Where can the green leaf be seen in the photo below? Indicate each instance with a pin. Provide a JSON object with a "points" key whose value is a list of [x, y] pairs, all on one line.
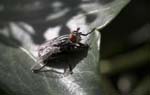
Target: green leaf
{"points": [[18, 78], [19, 40]]}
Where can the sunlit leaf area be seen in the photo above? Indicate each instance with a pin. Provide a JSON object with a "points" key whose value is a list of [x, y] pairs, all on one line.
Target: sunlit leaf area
{"points": [[112, 60]]}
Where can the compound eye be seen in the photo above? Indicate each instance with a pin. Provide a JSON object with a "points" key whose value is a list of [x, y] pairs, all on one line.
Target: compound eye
{"points": [[72, 38]]}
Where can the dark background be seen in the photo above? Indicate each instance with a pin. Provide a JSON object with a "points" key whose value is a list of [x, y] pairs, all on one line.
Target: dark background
{"points": [[126, 46]]}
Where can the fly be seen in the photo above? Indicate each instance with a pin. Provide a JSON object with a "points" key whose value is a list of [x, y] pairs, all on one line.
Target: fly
{"points": [[53, 50]]}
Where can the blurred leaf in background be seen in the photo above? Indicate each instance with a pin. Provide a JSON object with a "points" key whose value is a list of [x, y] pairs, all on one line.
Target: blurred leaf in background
{"points": [[125, 50]]}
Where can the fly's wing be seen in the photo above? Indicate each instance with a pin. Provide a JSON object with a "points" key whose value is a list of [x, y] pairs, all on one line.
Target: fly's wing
{"points": [[58, 41], [51, 47]]}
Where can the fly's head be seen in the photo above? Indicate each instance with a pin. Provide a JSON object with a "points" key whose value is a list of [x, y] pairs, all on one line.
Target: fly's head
{"points": [[75, 36]]}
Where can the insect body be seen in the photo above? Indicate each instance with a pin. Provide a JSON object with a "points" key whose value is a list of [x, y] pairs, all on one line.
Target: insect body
{"points": [[59, 48]]}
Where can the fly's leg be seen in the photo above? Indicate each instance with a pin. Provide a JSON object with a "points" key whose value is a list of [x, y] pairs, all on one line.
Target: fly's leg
{"points": [[37, 70], [89, 32], [82, 45], [68, 70]]}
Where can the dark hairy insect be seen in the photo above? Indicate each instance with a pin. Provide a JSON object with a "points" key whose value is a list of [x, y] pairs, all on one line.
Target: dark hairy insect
{"points": [[59, 49]]}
